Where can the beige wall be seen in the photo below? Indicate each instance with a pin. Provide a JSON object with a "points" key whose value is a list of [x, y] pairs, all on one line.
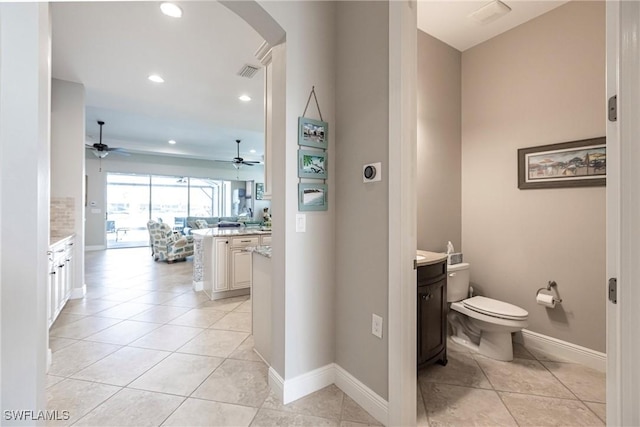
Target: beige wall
{"points": [[540, 83], [439, 139], [361, 250]]}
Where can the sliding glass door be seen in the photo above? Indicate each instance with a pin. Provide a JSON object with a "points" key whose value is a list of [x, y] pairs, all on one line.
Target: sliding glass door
{"points": [[128, 200]]}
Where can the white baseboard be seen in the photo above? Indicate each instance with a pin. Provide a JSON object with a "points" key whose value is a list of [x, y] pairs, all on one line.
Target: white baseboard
{"points": [[198, 286], [95, 248], [305, 384], [78, 293], [563, 351], [363, 395]]}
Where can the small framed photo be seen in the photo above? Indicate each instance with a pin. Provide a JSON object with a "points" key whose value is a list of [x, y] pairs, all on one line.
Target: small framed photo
{"points": [[259, 190], [312, 164], [313, 133], [312, 197], [568, 164]]}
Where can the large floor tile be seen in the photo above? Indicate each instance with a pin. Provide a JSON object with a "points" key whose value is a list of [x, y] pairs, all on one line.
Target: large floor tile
{"points": [[83, 327], [167, 337], [325, 403], [450, 405], [245, 351], [58, 343], [234, 321], [270, 418], [547, 411], [462, 369], [213, 342], [156, 297], [78, 356], [421, 415], [351, 411], [191, 299], [236, 381], [124, 332], [132, 408], [177, 374], [197, 412], [88, 306], [121, 367], [600, 409], [160, 314], [520, 352], [125, 295], [66, 318], [245, 307], [125, 310], [586, 383], [523, 376], [53, 380], [77, 397], [226, 304], [199, 318]]}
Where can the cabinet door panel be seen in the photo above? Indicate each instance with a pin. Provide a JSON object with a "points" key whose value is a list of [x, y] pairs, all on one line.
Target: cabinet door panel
{"points": [[240, 269], [220, 261], [432, 328]]}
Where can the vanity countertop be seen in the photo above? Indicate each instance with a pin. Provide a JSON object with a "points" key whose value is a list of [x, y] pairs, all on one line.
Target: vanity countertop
{"points": [[54, 239], [428, 258]]}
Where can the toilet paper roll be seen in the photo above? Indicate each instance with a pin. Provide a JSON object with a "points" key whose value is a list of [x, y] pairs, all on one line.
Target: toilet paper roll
{"points": [[546, 300]]}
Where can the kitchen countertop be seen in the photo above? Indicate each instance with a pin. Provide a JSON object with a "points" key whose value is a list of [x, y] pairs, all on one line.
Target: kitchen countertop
{"points": [[219, 232], [265, 251], [429, 257]]}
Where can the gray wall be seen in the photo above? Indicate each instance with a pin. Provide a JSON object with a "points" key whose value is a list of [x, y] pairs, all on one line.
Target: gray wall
{"points": [[540, 83], [67, 159], [439, 145], [361, 251], [148, 164]]}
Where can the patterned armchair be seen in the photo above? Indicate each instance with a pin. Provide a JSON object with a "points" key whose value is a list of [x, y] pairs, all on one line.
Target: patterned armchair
{"points": [[167, 245]]}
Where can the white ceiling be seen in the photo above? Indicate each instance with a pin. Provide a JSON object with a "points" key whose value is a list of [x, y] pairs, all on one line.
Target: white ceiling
{"points": [[448, 21], [111, 48]]}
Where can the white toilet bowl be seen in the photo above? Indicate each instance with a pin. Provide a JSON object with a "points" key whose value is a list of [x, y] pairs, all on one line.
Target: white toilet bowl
{"points": [[495, 320], [481, 324]]}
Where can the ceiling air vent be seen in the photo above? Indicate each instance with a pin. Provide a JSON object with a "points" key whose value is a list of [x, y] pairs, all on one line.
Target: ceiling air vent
{"points": [[248, 71], [490, 12]]}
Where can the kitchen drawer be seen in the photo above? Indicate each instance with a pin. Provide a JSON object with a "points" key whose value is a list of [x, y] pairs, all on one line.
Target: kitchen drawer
{"points": [[266, 240], [245, 241]]}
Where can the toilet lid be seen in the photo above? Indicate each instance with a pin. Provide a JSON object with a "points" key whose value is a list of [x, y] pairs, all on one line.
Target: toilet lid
{"points": [[492, 307]]}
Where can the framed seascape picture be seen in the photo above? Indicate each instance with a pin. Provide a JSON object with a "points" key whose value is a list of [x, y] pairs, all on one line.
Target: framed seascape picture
{"points": [[569, 164], [312, 197], [313, 133], [312, 164]]}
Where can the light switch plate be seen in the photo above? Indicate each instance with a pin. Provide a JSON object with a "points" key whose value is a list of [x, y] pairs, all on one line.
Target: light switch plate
{"points": [[301, 223]]}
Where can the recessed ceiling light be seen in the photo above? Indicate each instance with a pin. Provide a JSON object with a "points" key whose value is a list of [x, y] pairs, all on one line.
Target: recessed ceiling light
{"points": [[156, 78], [171, 9], [244, 98], [252, 151], [172, 141]]}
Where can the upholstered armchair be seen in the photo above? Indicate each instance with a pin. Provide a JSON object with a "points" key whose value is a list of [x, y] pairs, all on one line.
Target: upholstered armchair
{"points": [[167, 245]]}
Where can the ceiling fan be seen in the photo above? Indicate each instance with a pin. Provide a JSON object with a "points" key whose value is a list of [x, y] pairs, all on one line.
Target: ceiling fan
{"points": [[239, 161], [102, 150]]}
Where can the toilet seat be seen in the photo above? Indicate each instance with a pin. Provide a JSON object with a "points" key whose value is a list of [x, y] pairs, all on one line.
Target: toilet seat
{"points": [[495, 308]]}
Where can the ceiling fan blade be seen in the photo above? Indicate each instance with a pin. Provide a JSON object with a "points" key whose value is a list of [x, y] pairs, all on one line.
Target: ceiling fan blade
{"points": [[250, 162], [120, 152]]}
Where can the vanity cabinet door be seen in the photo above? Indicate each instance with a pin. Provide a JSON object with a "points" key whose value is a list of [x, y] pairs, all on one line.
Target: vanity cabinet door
{"points": [[432, 321]]}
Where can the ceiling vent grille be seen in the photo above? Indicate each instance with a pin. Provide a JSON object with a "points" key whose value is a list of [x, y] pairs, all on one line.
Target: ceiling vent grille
{"points": [[248, 71], [490, 12]]}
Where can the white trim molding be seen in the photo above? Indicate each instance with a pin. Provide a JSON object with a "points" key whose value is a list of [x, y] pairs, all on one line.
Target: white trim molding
{"points": [[305, 384], [363, 395], [77, 293], [563, 351], [95, 248]]}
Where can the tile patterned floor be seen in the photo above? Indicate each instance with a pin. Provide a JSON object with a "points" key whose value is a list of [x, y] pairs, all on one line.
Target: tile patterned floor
{"points": [[144, 349], [530, 391]]}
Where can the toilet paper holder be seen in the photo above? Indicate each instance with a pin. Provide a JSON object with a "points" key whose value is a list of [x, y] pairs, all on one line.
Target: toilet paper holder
{"points": [[551, 287]]}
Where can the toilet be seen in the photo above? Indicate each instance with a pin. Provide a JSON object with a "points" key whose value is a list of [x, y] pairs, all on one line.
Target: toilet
{"points": [[483, 325]]}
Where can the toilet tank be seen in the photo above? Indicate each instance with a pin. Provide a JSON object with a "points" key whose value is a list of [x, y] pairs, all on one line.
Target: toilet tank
{"points": [[457, 282]]}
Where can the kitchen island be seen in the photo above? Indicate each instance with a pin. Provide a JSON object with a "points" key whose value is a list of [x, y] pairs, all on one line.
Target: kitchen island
{"points": [[221, 266]]}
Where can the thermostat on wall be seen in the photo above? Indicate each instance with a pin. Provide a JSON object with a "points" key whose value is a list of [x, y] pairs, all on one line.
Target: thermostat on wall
{"points": [[372, 172]]}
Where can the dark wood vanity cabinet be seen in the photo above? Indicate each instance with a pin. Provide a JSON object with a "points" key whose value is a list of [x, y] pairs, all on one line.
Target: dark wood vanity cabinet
{"points": [[432, 314]]}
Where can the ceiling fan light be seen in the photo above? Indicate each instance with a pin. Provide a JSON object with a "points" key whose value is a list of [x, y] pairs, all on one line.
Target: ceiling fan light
{"points": [[156, 78], [244, 98], [100, 154], [171, 9], [172, 141]]}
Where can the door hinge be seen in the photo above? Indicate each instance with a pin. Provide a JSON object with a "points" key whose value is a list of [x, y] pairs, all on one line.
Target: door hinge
{"points": [[415, 264], [613, 290], [613, 108]]}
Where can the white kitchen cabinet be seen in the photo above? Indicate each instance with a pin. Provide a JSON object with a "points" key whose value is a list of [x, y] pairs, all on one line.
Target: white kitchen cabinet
{"points": [[60, 277], [220, 262], [240, 269]]}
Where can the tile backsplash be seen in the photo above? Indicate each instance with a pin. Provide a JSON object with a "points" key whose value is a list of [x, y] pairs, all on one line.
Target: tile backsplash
{"points": [[63, 219]]}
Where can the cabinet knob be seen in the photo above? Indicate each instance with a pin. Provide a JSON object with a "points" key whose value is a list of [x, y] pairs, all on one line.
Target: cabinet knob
{"points": [[426, 297]]}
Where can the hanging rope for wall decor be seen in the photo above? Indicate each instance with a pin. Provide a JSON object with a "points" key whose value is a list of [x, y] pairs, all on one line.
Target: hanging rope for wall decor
{"points": [[313, 93]]}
